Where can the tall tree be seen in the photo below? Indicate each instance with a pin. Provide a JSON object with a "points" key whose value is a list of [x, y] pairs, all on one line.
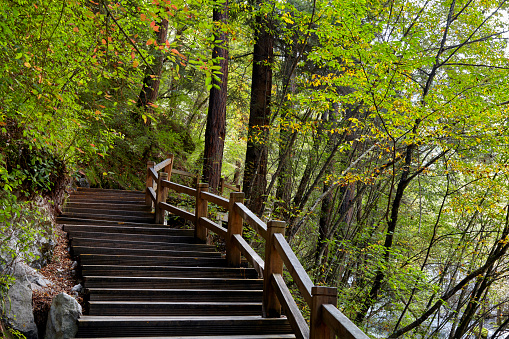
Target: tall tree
{"points": [[255, 171], [216, 118]]}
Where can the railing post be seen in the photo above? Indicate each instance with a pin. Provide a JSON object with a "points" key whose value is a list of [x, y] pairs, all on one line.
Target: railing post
{"points": [[201, 210], [321, 295], [234, 227], [221, 186], [149, 181], [162, 194], [169, 167], [273, 265]]}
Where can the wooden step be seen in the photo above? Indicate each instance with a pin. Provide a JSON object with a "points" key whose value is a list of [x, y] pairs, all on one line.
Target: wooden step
{"points": [[167, 282], [129, 218], [133, 260], [77, 221], [113, 326], [133, 236], [102, 206], [174, 294], [164, 308], [105, 198], [111, 200], [169, 271], [80, 250], [110, 212], [77, 241], [107, 190], [102, 193], [123, 229], [245, 336]]}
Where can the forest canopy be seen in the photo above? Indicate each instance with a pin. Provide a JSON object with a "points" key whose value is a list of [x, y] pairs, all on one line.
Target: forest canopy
{"points": [[376, 129]]}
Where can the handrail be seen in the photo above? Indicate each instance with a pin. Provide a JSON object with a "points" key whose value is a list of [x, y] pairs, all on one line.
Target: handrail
{"points": [[325, 317], [152, 194], [221, 231], [175, 210], [184, 173], [220, 201], [340, 324], [293, 314], [223, 184], [255, 222], [163, 164], [179, 188], [153, 173], [294, 266], [250, 254]]}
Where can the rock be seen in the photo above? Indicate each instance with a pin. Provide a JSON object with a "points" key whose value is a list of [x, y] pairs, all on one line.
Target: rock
{"points": [[83, 182], [18, 312], [63, 317], [23, 272], [77, 288]]}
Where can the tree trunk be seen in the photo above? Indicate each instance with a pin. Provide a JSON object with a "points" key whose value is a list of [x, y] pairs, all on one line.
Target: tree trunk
{"points": [[255, 171], [216, 119]]}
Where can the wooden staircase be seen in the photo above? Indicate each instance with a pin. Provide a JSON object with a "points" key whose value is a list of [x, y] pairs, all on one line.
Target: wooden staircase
{"points": [[149, 280]]}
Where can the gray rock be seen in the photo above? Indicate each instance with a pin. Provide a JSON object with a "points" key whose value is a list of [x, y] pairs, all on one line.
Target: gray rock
{"points": [[18, 309], [83, 182], [63, 317], [77, 288]]}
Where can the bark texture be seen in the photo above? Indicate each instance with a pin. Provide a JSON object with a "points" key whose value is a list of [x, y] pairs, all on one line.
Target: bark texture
{"points": [[255, 171], [216, 119]]}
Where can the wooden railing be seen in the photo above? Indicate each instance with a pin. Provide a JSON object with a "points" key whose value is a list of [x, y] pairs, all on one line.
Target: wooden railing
{"points": [[326, 320]]}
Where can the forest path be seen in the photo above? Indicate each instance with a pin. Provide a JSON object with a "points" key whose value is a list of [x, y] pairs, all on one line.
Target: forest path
{"points": [[151, 280]]}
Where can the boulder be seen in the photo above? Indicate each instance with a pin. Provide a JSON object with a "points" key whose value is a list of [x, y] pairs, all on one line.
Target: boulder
{"points": [[18, 309], [63, 317]]}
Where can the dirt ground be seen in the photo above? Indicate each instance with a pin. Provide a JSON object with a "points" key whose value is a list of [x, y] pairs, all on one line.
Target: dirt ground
{"points": [[63, 277]]}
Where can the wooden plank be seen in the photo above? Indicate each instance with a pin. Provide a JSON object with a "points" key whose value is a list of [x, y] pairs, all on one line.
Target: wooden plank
{"points": [[255, 222], [107, 190], [162, 164], [231, 187], [215, 199], [294, 266], [201, 210], [166, 308], [174, 294], [165, 282], [98, 218], [184, 173], [273, 265], [253, 257], [153, 173], [340, 324], [235, 226], [177, 211], [153, 326], [169, 271], [152, 193], [99, 249], [321, 295], [299, 324], [245, 336], [80, 241], [136, 260], [205, 222], [179, 188], [120, 229]]}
